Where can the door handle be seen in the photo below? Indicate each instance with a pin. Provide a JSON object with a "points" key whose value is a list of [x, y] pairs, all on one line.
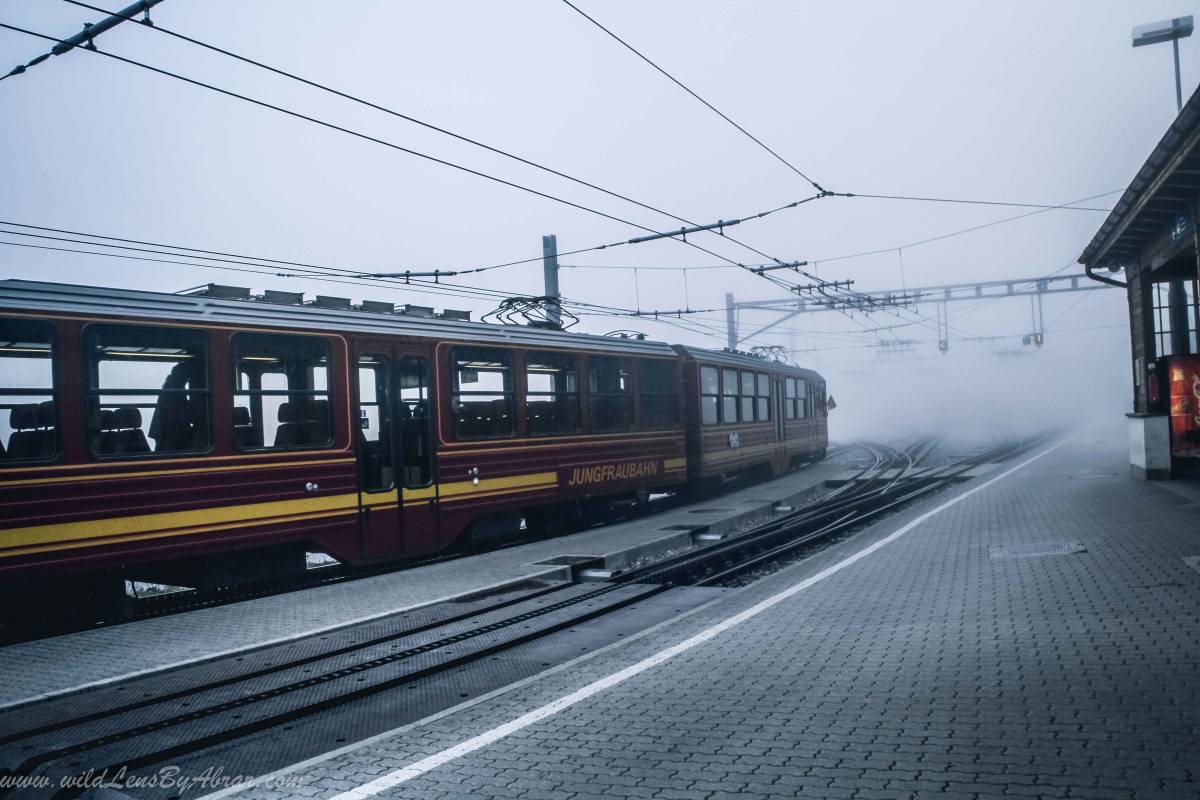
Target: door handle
{"points": [[311, 487], [474, 473]]}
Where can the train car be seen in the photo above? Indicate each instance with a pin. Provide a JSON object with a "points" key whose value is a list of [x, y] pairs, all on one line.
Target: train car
{"points": [[212, 438], [750, 415], [154, 428]]}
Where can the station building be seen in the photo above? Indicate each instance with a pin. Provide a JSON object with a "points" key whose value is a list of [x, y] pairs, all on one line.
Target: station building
{"points": [[1151, 236]]}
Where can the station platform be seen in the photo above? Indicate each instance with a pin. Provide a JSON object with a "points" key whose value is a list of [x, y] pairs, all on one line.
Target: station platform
{"points": [[1031, 633], [35, 670]]}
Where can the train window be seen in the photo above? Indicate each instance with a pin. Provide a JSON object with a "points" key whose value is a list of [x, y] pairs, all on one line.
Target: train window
{"points": [[789, 400], [729, 398], [747, 397], [147, 390], [374, 424], [610, 383], [281, 392], [28, 430], [764, 396], [551, 393], [801, 398], [416, 436], [710, 396], [658, 389], [482, 401]]}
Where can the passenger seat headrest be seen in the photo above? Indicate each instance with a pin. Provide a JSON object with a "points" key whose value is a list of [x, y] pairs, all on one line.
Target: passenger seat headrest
{"points": [[316, 410], [241, 416], [45, 414], [23, 416], [127, 417], [289, 412]]}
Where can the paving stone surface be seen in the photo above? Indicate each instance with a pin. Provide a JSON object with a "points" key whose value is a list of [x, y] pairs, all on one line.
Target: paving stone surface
{"points": [[928, 669], [32, 669]]}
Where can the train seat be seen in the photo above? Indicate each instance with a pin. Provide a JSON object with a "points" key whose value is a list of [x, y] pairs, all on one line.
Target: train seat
{"points": [[102, 431], [290, 432], [33, 435], [245, 435], [128, 438], [316, 422]]}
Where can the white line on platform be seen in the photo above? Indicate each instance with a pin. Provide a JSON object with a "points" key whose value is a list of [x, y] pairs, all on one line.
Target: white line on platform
{"points": [[429, 763]]}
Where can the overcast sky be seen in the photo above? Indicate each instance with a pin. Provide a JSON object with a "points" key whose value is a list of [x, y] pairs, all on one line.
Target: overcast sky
{"points": [[1019, 101]]}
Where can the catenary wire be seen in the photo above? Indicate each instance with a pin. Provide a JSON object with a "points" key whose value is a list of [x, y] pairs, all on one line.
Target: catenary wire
{"points": [[709, 105], [382, 142], [962, 231], [392, 112], [442, 161], [435, 159]]}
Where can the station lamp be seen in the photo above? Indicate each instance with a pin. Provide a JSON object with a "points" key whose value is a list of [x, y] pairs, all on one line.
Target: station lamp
{"points": [[1170, 30]]}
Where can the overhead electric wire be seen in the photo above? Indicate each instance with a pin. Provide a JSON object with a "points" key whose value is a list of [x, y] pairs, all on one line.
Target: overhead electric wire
{"points": [[414, 287], [821, 190], [430, 126], [478, 173], [377, 140], [444, 162], [962, 231], [1043, 206], [660, 268], [392, 112], [707, 104]]}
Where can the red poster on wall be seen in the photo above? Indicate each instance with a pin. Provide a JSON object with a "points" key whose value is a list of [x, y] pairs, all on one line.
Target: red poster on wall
{"points": [[1184, 373]]}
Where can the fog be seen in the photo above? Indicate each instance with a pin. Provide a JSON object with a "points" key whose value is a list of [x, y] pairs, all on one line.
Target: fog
{"points": [[1026, 102]]}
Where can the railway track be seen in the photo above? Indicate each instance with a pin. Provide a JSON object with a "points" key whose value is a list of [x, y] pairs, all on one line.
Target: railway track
{"points": [[265, 709], [30, 627]]}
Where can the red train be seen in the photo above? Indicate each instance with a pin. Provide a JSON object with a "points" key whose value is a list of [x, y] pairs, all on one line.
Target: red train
{"points": [[154, 435]]}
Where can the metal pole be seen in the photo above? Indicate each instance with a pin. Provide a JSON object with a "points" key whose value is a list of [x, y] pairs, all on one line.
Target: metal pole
{"points": [[1178, 84], [730, 322], [550, 273]]}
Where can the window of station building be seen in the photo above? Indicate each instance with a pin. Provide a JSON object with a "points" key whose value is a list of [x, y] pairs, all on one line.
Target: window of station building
{"points": [[482, 398], [789, 398], [281, 392], [747, 397], [729, 396], [551, 393], [147, 390], [764, 396], [658, 391], [1176, 316], [610, 385], [710, 396], [28, 424]]}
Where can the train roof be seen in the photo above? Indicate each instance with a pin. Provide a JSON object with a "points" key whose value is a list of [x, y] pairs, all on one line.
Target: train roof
{"points": [[202, 309], [22, 295], [744, 360]]}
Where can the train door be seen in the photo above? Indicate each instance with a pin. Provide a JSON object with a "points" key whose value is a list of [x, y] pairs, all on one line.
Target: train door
{"points": [[397, 501], [780, 416], [415, 454]]}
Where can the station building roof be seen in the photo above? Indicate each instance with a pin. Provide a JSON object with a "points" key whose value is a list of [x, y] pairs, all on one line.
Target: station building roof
{"points": [[1158, 198]]}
